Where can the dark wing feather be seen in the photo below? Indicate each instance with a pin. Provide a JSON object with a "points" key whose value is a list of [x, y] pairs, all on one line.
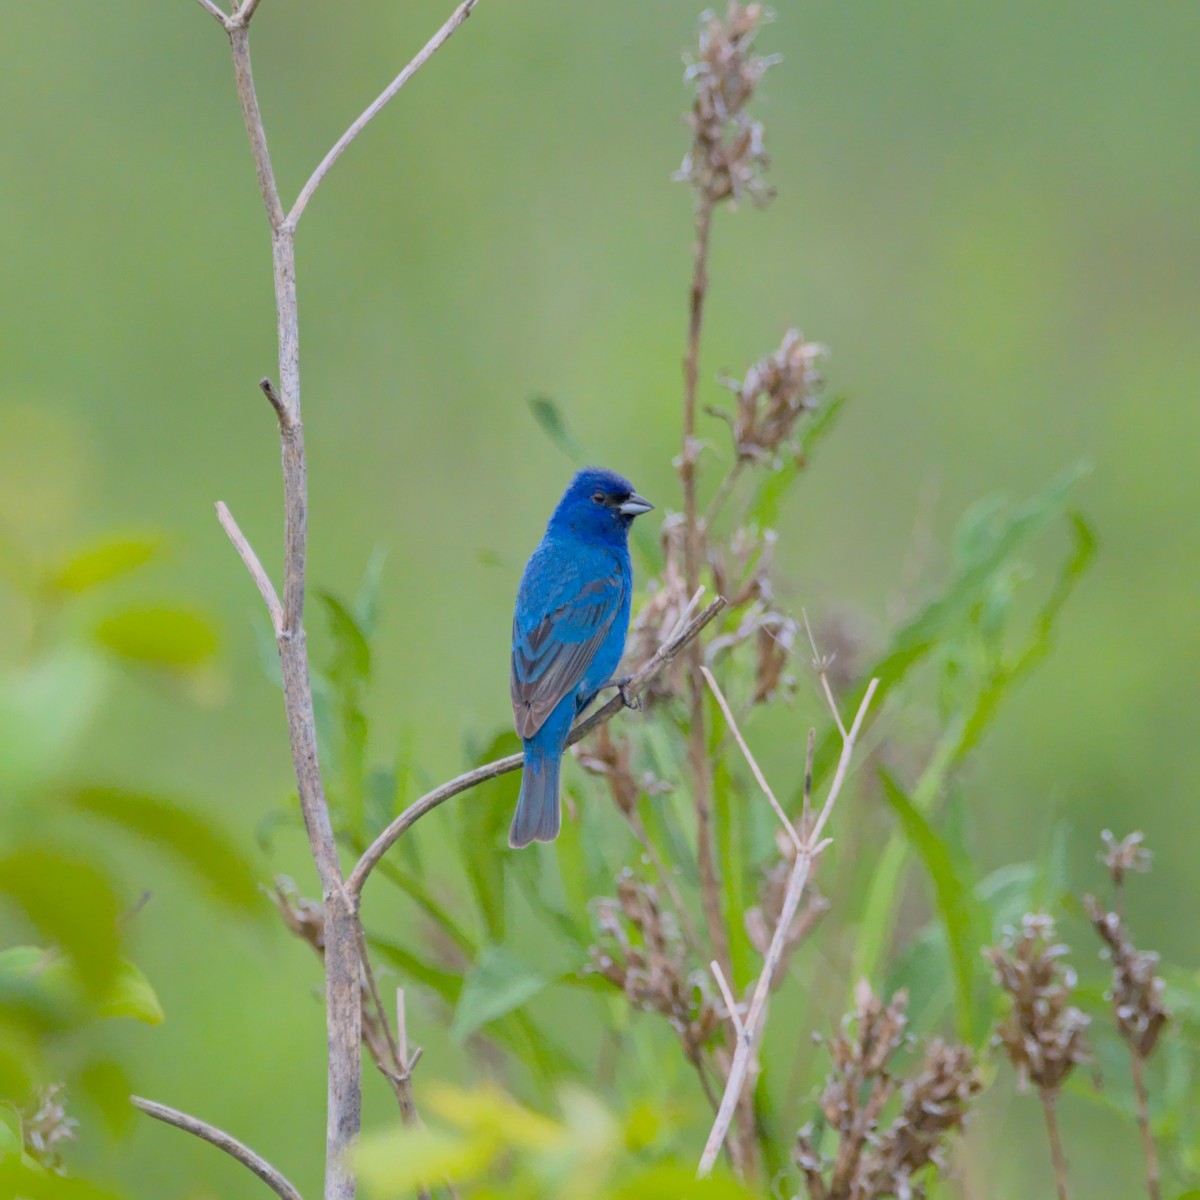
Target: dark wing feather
{"points": [[549, 661]]}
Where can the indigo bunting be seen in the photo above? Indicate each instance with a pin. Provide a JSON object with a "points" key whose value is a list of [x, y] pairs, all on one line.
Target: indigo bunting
{"points": [[569, 632]]}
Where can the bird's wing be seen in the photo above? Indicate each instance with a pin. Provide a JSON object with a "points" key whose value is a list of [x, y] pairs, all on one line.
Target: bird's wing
{"points": [[551, 656]]}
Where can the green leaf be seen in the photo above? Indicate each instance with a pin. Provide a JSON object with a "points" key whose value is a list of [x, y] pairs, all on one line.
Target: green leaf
{"points": [[496, 985], [108, 1086], [366, 603], [167, 638], [99, 562], [986, 550], [662, 1180], [23, 1178], [74, 906], [482, 827], [447, 984], [352, 652], [199, 845], [955, 902], [548, 415], [399, 1161], [131, 995], [44, 710]]}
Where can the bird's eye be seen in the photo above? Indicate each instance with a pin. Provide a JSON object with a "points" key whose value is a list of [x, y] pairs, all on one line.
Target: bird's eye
{"points": [[597, 497]]}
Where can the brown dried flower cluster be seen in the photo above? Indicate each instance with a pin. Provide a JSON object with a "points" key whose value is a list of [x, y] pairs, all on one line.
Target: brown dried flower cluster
{"points": [[776, 391], [48, 1127], [640, 950], [871, 1162], [660, 617], [610, 756], [1043, 1034], [1137, 987], [1121, 857], [726, 158]]}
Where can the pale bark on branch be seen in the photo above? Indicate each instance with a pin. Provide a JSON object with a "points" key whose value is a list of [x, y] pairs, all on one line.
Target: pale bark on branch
{"points": [[223, 1141], [749, 1029]]}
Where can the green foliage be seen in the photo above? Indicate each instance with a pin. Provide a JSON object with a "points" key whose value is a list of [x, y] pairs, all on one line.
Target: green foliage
{"points": [[492, 1146]]}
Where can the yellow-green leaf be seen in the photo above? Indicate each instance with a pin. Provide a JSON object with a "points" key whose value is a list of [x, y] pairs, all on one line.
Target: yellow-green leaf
{"points": [[99, 562], [172, 639]]}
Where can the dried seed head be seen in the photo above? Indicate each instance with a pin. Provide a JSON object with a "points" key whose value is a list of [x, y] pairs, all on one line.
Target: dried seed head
{"points": [[1137, 988], [874, 1161], [660, 617], [610, 757], [639, 950], [48, 1127], [726, 157], [304, 917], [1121, 857], [775, 392], [1043, 1034]]}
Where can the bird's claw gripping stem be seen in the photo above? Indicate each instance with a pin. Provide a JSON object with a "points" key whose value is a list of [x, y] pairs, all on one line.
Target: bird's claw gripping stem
{"points": [[629, 700]]}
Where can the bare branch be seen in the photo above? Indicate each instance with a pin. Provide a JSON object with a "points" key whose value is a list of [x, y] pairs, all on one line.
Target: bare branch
{"points": [[214, 12], [243, 73], [727, 995], [741, 741], [753, 1024], [281, 410], [246, 12], [431, 47], [409, 817], [223, 1141], [257, 572]]}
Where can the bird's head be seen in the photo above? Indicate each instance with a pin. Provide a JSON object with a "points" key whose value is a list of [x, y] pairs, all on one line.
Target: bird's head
{"points": [[599, 504]]}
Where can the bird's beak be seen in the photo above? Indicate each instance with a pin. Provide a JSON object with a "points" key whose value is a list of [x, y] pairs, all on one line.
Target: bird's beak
{"points": [[635, 506]]}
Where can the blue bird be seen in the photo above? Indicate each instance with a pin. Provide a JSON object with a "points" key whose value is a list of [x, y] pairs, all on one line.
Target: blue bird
{"points": [[569, 632]]}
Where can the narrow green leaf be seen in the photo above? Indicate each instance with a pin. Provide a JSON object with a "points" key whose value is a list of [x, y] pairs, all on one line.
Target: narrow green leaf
{"points": [[447, 984], [549, 417], [205, 850], [99, 562], [352, 651], [496, 985], [988, 549], [167, 638], [954, 901], [73, 904]]}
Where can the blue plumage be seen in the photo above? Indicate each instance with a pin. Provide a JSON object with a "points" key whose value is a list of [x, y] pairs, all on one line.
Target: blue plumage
{"points": [[569, 630]]}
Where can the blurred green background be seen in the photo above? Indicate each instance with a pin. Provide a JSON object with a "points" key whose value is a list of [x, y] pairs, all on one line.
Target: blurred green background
{"points": [[988, 212]]}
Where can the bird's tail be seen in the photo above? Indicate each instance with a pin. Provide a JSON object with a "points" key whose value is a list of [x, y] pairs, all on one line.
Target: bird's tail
{"points": [[537, 816]]}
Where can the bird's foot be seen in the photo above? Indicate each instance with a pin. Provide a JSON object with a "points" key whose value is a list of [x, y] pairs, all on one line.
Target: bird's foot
{"points": [[627, 697]]}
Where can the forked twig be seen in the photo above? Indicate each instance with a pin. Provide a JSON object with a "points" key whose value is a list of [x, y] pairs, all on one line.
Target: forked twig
{"points": [[258, 573], [223, 1141], [741, 741], [456, 18], [752, 1025]]}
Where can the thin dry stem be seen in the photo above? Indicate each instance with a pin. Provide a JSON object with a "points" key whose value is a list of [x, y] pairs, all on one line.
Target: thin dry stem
{"points": [[755, 1017], [266, 588], [789, 828], [1057, 1157], [214, 12], [731, 1003], [1153, 1175], [223, 1141], [456, 18], [380, 846]]}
